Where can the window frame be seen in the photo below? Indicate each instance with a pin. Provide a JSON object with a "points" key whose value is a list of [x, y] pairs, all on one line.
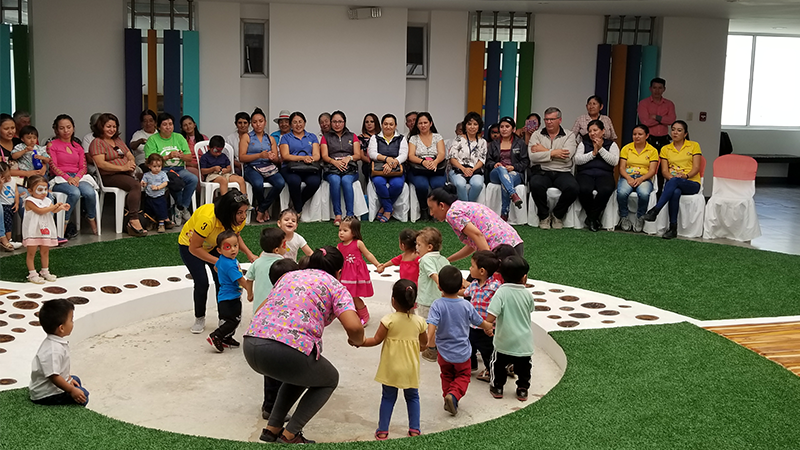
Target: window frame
{"points": [[425, 62], [265, 73]]}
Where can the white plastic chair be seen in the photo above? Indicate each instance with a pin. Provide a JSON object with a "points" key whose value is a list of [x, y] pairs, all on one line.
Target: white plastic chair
{"points": [[207, 189], [731, 210], [402, 207], [493, 198], [359, 204], [61, 215], [313, 208], [690, 214], [119, 204], [570, 219]]}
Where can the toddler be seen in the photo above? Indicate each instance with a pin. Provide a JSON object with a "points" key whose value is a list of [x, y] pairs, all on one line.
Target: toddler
{"points": [[408, 260], [429, 242], [402, 334], [51, 382], [231, 282], [155, 183], [479, 292], [511, 308], [39, 228], [355, 275], [449, 319], [9, 201], [34, 156], [273, 244], [287, 221], [216, 167]]}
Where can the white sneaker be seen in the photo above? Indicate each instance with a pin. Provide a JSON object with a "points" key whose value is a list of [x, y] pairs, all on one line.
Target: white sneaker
{"points": [[17, 245], [186, 214], [544, 224], [638, 225], [176, 218], [199, 325], [557, 223], [36, 279], [48, 276], [625, 224]]}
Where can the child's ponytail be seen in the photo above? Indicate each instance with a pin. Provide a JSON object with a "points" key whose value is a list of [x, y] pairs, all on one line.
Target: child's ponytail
{"points": [[404, 293]]}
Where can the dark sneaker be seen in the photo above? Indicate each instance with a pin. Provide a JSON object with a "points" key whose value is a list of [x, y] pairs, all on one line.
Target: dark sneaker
{"points": [[496, 392], [522, 394], [650, 216], [430, 354], [71, 231], [298, 439], [672, 232], [451, 404], [268, 436], [516, 200], [230, 342], [215, 342]]}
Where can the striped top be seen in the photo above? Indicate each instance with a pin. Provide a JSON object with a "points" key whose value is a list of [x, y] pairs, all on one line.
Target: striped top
{"points": [[113, 156]]}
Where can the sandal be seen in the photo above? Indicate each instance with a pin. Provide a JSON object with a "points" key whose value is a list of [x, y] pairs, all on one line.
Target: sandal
{"points": [[337, 222], [7, 246], [412, 432], [383, 219], [381, 435], [136, 232]]}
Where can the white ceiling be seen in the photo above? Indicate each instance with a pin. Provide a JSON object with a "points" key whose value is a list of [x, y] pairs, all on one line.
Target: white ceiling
{"points": [[760, 16]]}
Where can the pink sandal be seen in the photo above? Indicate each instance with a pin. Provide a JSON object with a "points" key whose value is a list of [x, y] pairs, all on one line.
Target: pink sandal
{"points": [[413, 432], [381, 435]]}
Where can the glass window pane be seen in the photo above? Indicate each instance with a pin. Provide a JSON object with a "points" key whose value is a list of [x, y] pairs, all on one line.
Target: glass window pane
{"points": [[737, 80], [775, 71], [520, 35], [487, 34], [503, 34], [253, 47]]}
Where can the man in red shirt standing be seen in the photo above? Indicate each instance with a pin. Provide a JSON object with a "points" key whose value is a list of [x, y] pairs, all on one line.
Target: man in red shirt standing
{"points": [[657, 113]]}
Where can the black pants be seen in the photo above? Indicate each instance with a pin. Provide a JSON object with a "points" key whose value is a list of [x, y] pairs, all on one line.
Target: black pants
{"points": [[271, 388], [658, 142], [156, 207], [563, 181], [230, 315], [481, 343], [605, 187], [197, 267], [522, 368]]}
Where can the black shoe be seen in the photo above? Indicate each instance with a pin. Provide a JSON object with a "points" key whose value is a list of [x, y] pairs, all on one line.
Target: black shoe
{"points": [[71, 231], [298, 439], [672, 232], [230, 342], [215, 342], [598, 224], [650, 216], [590, 224], [496, 392], [522, 394], [269, 436]]}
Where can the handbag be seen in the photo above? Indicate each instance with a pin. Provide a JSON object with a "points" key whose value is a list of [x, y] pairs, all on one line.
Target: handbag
{"points": [[419, 169], [302, 167], [175, 183], [330, 169], [377, 170], [266, 170]]}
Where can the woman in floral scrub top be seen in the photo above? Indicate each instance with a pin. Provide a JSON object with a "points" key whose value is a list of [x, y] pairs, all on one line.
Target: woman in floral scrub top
{"points": [[476, 225], [284, 340]]}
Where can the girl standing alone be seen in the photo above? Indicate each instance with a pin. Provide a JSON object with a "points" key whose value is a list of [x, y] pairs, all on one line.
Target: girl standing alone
{"points": [[39, 228]]}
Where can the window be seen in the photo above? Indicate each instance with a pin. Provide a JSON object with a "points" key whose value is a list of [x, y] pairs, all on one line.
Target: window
{"points": [[501, 26], [166, 15], [14, 12], [759, 79], [629, 30], [253, 48], [416, 51]]}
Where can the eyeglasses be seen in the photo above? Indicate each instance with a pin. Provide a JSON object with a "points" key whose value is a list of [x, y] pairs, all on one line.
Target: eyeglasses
{"points": [[337, 122], [552, 120]]}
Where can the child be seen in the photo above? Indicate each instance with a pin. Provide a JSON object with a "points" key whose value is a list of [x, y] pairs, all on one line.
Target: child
{"points": [[355, 275], [429, 242], [51, 382], [502, 252], [9, 201], [480, 292], [155, 183], [231, 282], [273, 244], [402, 334], [287, 221], [449, 320], [34, 156], [216, 167], [408, 260], [39, 228], [511, 307]]}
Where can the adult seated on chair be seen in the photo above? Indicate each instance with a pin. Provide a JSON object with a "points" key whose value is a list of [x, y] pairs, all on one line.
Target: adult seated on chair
{"points": [[507, 160], [139, 139], [680, 167], [593, 107], [259, 154], [476, 225], [638, 162], [468, 157], [553, 148], [68, 167], [340, 149], [426, 157], [175, 151], [370, 126], [595, 160], [116, 165], [242, 122], [300, 155], [388, 150]]}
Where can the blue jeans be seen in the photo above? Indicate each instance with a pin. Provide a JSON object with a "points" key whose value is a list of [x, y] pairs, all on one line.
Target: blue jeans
{"points": [[256, 180], [184, 198], [388, 400], [507, 180], [423, 183], [338, 184], [460, 182], [299, 194], [64, 398], [642, 191], [84, 190], [388, 194], [673, 189]]}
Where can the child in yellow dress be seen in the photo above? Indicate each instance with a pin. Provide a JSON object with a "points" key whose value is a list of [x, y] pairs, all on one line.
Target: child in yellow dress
{"points": [[403, 336]]}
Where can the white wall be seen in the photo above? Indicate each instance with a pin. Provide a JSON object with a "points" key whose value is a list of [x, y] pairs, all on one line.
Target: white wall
{"points": [[447, 76], [693, 63], [564, 63], [219, 28], [320, 63], [78, 61], [416, 95]]}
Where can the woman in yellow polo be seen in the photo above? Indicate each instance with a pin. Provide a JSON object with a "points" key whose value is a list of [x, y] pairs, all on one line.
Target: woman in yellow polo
{"points": [[638, 162], [198, 241], [680, 166]]}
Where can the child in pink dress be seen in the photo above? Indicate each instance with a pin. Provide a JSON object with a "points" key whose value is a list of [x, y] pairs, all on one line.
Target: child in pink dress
{"points": [[355, 275]]}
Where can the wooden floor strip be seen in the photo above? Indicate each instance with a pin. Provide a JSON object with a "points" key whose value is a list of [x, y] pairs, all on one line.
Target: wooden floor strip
{"points": [[779, 342]]}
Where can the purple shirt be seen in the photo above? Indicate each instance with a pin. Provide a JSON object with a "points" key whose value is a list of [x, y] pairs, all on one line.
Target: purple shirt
{"points": [[299, 307], [492, 227]]}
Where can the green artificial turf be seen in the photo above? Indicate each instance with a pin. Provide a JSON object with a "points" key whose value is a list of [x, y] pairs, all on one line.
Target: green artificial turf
{"points": [[656, 386], [700, 280]]}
